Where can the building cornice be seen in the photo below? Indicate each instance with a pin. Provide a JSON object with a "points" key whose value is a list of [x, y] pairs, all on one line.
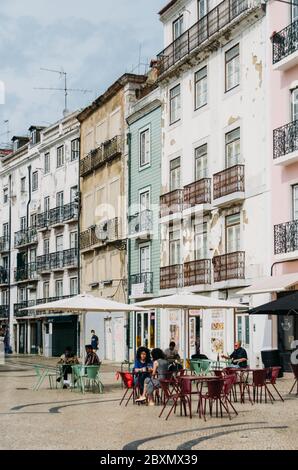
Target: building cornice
{"points": [[146, 109]]}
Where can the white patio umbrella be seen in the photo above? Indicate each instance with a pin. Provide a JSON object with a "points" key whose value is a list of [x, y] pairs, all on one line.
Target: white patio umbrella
{"points": [[186, 301], [85, 303]]}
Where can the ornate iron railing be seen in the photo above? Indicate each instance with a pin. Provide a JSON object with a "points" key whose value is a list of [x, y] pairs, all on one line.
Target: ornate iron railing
{"points": [[286, 237], [25, 237], [107, 151], [228, 181], [105, 232], [205, 28], [4, 311], [171, 276], [57, 260], [4, 244], [18, 312], [285, 139], [26, 273], [171, 202], [58, 215], [3, 275], [285, 42], [141, 222], [197, 272], [144, 279], [229, 266], [198, 192]]}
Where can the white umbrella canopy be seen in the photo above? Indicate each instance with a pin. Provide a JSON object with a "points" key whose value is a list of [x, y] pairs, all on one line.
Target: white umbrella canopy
{"points": [[85, 303], [188, 301]]}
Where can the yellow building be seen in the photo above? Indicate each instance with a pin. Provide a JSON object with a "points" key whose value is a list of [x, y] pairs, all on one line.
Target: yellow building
{"points": [[103, 183]]}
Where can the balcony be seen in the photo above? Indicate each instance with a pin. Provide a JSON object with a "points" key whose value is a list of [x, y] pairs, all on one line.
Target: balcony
{"points": [[140, 285], [171, 203], [229, 186], [3, 276], [4, 244], [106, 152], [285, 144], [197, 193], [207, 27], [100, 235], [25, 237], [171, 276], [285, 47], [197, 272], [229, 266], [58, 216], [141, 224], [26, 273], [18, 312], [57, 261], [286, 238], [4, 311]]}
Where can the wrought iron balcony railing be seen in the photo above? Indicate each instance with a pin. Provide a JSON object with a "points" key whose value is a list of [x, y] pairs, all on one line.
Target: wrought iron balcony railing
{"points": [[18, 312], [108, 150], [229, 266], [198, 192], [105, 232], [171, 203], [197, 272], [171, 276], [141, 222], [285, 139], [57, 260], [4, 244], [286, 237], [26, 273], [228, 181], [4, 311], [58, 215], [25, 237], [144, 282], [285, 42], [217, 18], [3, 275]]}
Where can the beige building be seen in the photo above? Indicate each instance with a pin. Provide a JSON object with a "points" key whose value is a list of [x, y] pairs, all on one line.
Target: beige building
{"points": [[103, 181]]}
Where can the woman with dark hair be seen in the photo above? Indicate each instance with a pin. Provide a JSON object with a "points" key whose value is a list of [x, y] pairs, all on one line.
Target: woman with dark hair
{"points": [[142, 366], [160, 371]]}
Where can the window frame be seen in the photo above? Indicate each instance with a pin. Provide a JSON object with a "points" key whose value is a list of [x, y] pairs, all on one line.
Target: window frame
{"points": [[229, 143], [35, 181], [171, 170], [228, 62], [196, 81], [229, 225], [141, 133], [179, 21], [47, 163], [77, 151], [197, 157], [59, 156], [5, 195], [172, 98]]}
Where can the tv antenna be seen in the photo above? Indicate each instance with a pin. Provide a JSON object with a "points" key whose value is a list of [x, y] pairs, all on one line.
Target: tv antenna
{"points": [[65, 89], [7, 132]]}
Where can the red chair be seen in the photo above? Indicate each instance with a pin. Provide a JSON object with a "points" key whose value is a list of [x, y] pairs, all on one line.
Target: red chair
{"points": [[129, 385], [295, 372], [181, 392], [271, 380], [259, 377], [214, 394], [229, 383]]}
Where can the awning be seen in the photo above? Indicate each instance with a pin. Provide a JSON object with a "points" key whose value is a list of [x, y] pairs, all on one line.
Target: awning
{"points": [[286, 305], [271, 284]]}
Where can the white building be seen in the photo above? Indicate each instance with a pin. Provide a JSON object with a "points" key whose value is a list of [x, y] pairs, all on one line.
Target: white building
{"points": [[215, 204], [39, 228]]}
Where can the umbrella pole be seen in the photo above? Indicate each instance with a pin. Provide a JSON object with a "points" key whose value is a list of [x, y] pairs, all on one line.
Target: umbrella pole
{"points": [[185, 337]]}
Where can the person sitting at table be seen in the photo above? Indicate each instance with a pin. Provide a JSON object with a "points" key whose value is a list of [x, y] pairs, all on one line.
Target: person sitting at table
{"points": [[67, 360], [142, 366], [160, 371], [238, 356], [91, 358], [172, 355]]}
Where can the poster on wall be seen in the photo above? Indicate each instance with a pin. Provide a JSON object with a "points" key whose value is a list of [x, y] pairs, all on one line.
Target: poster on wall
{"points": [[217, 332], [174, 323]]}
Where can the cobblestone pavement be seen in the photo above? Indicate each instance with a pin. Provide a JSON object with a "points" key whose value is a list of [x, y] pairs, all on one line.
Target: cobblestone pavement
{"points": [[64, 419]]}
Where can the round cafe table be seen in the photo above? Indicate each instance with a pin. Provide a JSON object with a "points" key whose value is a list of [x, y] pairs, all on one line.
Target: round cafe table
{"points": [[186, 385]]}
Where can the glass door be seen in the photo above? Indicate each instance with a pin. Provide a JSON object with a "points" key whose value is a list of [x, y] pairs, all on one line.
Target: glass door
{"points": [[145, 329], [233, 233], [242, 330]]}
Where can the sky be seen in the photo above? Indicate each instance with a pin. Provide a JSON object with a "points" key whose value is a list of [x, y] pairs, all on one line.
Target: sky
{"points": [[94, 41]]}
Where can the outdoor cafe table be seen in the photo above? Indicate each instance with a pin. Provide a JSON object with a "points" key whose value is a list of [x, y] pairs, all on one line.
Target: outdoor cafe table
{"points": [[198, 379]]}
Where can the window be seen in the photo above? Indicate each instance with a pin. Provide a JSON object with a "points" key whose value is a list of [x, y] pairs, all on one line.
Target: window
{"points": [[22, 294], [177, 27], [201, 88], [35, 181], [73, 194], [233, 148], [59, 288], [46, 246], [46, 163], [73, 286], [232, 67], [202, 8], [34, 136], [145, 264], [295, 104], [295, 201], [75, 150], [73, 239], [232, 233], [294, 11], [201, 162], [145, 147], [175, 104], [5, 231], [59, 243], [4, 297], [200, 239], [23, 223], [33, 219], [60, 156], [5, 262], [23, 184], [59, 199], [32, 255], [5, 195], [175, 174], [174, 246], [144, 200], [46, 290], [46, 204]]}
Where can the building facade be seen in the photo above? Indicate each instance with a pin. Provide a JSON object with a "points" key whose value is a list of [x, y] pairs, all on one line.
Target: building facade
{"points": [[215, 199], [39, 235], [103, 243]]}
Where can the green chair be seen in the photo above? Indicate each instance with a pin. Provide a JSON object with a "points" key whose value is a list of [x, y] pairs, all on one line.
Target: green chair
{"points": [[41, 373], [195, 366], [92, 378], [78, 372], [205, 365]]}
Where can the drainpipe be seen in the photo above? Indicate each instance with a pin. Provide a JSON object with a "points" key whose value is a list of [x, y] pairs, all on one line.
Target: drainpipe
{"points": [[10, 308], [79, 332], [129, 248], [27, 225]]}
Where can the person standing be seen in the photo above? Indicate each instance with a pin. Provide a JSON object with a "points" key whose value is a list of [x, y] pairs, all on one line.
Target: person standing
{"points": [[94, 341]]}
